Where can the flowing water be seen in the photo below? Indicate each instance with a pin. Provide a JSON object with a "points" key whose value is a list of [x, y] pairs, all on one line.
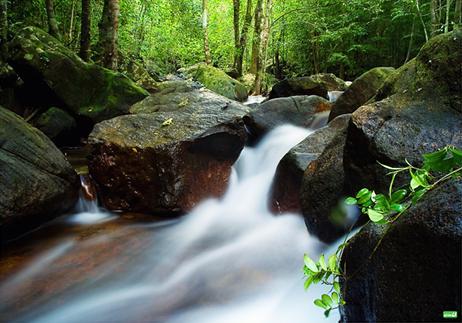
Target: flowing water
{"points": [[229, 260]]}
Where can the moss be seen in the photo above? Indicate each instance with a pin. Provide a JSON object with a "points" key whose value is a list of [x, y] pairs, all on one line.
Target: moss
{"points": [[218, 81]]}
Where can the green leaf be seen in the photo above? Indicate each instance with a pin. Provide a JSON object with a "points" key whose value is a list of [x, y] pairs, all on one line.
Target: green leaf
{"points": [[397, 207], [414, 183], [310, 264], [319, 303], [362, 193], [374, 215], [351, 201], [337, 287], [327, 312], [418, 195], [365, 198], [398, 195], [308, 282], [326, 300], [333, 262], [322, 263], [335, 298]]}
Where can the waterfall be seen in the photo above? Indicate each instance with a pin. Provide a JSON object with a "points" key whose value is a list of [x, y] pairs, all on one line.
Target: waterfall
{"points": [[228, 260]]}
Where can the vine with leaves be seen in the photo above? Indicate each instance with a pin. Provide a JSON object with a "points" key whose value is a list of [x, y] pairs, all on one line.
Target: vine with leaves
{"points": [[383, 209]]}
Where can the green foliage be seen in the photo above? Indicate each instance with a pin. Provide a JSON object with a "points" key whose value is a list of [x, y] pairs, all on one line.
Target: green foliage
{"points": [[382, 209]]}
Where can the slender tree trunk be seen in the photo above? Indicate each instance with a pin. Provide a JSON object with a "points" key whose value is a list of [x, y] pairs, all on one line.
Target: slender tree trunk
{"points": [[419, 13], [85, 31], [236, 22], [141, 33], [448, 12], [108, 33], [261, 61], [52, 23], [71, 24], [411, 40], [458, 13], [205, 27], [256, 45], [3, 28], [240, 49], [435, 21]]}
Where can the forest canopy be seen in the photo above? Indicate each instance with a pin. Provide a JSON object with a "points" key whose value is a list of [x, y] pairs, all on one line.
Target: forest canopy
{"points": [[276, 38]]}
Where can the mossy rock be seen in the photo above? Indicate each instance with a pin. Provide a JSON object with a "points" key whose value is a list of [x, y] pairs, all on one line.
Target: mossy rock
{"points": [[36, 181], [217, 81], [299, 86], [434, 72], [57, 124], [361, 91], [85, 89]]}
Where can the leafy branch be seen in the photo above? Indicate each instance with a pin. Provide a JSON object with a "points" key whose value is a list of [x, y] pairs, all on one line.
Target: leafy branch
{"points": [[438, 167]]}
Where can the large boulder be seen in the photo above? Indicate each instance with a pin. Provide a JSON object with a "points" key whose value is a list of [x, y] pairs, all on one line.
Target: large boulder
{"points": [[423, 113], [58, 125], [287, 188], [331, 82], [299, 86], [322, 184], [217, 81], [297, 110], [410, 271], [58, 77], [36, 181], [174, 152], [360, 91]]}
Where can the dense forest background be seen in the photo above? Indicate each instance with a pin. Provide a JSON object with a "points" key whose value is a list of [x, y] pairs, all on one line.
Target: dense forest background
{"points": [[272, 39]]}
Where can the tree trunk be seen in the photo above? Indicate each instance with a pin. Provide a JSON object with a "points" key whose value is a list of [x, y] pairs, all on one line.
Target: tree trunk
{"points": [[458, 14], [236, 21], [3, 28], [71, 24], [435, 21], [85, 31], [261, 61], [52, 23], [208, 57], [448, 12], [242, 44], [256, 36], [141, 30], [411, 40], [108, 33], [419, 13]]}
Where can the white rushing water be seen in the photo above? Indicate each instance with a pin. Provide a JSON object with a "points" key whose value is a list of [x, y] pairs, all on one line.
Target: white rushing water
{"points": [[229, 260]]}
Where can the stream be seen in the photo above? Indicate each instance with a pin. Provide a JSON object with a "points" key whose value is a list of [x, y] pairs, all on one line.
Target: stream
{"points": [[228, 260]]}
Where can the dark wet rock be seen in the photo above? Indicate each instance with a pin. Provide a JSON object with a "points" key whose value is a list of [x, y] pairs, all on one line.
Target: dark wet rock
{"points": [[297, 110], [415, 273], [58, 125], [36, 181], [140, 74], [287, 187], [10, 84], [62, 79], [361, 91], [331, 82], [322, 184], [171, 154], [217, 81], [422, 114], [299, 86]]}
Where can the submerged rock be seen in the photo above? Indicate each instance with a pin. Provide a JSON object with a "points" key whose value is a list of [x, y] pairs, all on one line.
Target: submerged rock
{"points": [[414, 274], [36, 181], [422, 114], [299, 86], [297, 110], [62, 79], [176, 151], [287, 188], [217, 81], [360, 91]]}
